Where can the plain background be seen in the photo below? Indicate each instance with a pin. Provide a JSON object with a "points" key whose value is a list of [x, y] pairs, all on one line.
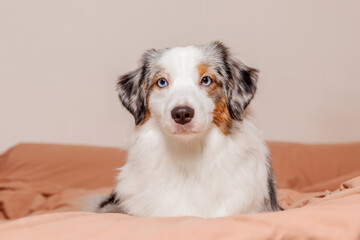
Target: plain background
{"points": [[59, 61]]}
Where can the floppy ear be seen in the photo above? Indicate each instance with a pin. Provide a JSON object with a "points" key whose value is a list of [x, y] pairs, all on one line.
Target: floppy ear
{"points": [[241, 87], [239, 80], [132, 94], [133, 88]]}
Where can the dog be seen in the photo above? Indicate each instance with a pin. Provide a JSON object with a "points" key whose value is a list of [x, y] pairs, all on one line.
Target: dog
{"points": [[195, 150]]}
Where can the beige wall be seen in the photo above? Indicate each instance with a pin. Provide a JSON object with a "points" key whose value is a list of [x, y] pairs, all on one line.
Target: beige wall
{"points": [[59, 61]]}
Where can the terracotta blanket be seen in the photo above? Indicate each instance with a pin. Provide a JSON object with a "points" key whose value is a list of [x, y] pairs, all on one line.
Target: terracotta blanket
{"points": [[319, 188]]}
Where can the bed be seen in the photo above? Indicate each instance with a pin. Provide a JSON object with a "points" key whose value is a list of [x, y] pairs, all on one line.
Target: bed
{"points": [[42, 187]]}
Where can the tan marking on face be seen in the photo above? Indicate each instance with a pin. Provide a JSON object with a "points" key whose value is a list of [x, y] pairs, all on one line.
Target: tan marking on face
{"points": [[221, 115], [152, 86], [154, 80], [203, 71], [147, 111], [160, 74]]}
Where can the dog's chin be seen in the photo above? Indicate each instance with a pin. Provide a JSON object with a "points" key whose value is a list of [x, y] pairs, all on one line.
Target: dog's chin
{"points": [[184, 132]]}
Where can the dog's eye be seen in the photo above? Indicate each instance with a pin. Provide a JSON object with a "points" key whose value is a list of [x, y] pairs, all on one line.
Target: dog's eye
{"points": [[162, 82], [206, 81]]}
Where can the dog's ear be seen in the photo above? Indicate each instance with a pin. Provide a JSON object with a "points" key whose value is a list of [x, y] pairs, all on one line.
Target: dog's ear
{"points": [[133, 87], [240, 80], [240, 88]]}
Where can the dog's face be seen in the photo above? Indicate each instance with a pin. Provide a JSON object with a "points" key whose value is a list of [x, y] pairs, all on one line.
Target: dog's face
{"points": [[188, 90]]}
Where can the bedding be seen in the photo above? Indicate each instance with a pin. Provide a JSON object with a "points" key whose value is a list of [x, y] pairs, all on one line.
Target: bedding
{"points": [[42, 187]]}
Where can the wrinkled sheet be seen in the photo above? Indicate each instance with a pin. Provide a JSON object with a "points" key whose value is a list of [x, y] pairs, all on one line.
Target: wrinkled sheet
{"points": [[42, 187]]}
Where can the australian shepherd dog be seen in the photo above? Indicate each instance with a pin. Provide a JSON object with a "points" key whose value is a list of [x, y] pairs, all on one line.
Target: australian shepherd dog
{"points": [[195, 150]]}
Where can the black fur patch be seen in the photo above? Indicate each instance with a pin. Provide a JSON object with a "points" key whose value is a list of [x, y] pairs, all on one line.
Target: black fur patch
{"points": [[249, 77], [272, 202], [111, 199]]}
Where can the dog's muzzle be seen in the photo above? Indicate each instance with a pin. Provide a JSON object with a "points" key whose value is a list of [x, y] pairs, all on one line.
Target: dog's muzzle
{"points": [[182, 115]]}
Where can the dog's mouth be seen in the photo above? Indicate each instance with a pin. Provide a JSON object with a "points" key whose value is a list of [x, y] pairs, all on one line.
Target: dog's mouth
{"points": [[187, 129]]}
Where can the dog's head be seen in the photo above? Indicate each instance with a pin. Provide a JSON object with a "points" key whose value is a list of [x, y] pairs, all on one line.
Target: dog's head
{"points": [[187, 90]]}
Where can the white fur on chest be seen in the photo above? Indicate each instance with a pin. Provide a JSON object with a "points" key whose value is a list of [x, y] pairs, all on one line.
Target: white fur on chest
{"points": [[216, 176]]}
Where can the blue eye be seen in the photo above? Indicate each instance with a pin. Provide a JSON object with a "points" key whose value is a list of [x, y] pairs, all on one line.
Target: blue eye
{"points": [[162, 82], [206, 81]]}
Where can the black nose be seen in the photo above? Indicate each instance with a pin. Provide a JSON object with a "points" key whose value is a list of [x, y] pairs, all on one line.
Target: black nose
{"points": [[182, 115]]}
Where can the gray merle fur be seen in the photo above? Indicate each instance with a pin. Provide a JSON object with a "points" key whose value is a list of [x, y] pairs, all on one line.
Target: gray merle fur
{"points": [[133, 87], [238, 79]]}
